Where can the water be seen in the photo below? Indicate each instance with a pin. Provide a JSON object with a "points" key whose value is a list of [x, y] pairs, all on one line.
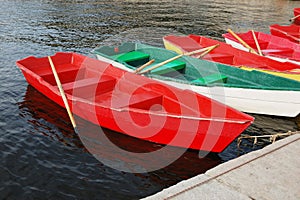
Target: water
{"points": [[41, 157]]}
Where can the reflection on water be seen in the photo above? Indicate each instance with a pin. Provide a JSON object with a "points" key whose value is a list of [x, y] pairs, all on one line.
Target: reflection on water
{"points": [[41, 157], [48, 119]]}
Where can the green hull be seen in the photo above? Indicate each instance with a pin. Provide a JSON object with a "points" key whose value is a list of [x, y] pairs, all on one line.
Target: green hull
{"points": [[193, 71]]}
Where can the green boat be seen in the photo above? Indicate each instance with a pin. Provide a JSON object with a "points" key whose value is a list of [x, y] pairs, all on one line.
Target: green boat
{"points": [[247, 91]]}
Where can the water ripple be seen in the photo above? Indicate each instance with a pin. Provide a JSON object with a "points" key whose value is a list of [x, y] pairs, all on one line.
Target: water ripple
{"points": [[41, 157]]}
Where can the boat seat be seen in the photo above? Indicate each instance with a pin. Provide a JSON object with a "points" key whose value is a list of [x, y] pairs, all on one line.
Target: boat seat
{"points": [[119, 99], [137, 58], [145, 100], [281, 51], [133, 58], [222, 58], [167, 68], [67, 73], [213, 78], [90, 86]]}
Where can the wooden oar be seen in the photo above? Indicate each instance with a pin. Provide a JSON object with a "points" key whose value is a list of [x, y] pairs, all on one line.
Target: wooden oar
{"points": [[209, 50], [293, 18], [295, 70], [242, 41], [143, 66], [256, 43], [174, 58], [63, 95]]}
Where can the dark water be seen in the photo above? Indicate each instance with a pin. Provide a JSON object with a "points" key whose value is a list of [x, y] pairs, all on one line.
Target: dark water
{"points": [[41, 157]]}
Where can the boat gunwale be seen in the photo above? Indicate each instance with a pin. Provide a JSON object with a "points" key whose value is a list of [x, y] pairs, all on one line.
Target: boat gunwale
{"points": [[138, 46], [77, 99]]}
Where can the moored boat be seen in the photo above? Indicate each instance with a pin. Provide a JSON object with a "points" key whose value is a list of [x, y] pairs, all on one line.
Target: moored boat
{"points": [[291, 32], [274, 47], [135, 105], [229, 55], [248, 91]]}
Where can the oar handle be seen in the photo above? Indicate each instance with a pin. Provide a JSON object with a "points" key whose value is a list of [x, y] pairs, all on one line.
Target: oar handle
{"points": [[62, 93], [256, 43], [161, 64], [144, 66], [293, 18], [242, 41], [174, 58], [207, 51], [197, 51]]}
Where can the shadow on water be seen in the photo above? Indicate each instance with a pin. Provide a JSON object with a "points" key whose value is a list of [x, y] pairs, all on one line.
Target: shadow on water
{"points": [[52, 130], [45, 118]]}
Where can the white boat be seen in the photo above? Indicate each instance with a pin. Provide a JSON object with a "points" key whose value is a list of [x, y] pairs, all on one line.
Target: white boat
{"points": [[254, 92]]}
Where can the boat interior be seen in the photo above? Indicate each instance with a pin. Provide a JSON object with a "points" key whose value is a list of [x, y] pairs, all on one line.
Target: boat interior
{"points": [[194, 71], [100, 83], [291, 32], [175, 68], [236, 58], [272, 46]]}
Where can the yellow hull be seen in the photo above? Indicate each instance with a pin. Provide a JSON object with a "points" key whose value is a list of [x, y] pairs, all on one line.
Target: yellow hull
{"points": [[281, 74], [172, 47]]}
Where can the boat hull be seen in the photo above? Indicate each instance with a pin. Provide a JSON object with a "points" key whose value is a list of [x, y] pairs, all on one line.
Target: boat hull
{"points": [[252, 100], [110, 106]]}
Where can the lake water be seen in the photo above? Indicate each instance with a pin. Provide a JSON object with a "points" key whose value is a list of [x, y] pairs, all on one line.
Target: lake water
{"points": [[41, 157]]}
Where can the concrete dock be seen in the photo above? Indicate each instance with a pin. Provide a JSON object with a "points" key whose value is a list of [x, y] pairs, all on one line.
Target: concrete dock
{"points": [[270, 173]]}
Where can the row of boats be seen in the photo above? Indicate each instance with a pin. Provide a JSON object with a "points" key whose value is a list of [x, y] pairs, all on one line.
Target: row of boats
{"points": [[194, 93]]}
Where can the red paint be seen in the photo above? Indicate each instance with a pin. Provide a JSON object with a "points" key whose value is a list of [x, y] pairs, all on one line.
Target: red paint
{"points": [[227, 54], [270, 45], [290, 32], [135, 105], [297, 13]]}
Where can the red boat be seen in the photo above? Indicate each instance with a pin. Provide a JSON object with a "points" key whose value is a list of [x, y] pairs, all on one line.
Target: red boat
{"points": [[297, 16], [229, 55], [291, 32], [275, 47], [135, 105]]}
